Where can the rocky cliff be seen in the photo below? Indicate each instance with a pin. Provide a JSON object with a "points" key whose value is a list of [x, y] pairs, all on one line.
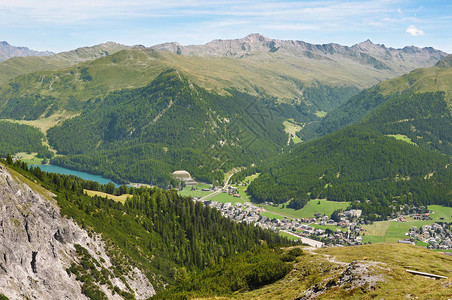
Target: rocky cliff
{"points": [[38, 246]]}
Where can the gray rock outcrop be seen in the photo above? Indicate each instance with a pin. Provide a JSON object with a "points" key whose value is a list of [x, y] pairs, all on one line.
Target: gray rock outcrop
{"points": [[37, 246]]}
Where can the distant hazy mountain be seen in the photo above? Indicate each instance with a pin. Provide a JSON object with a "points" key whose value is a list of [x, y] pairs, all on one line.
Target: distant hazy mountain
{"points": [[49, 61], [7, 51], [383, 60]]}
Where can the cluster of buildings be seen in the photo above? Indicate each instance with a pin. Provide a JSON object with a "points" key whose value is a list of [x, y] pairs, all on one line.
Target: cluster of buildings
{"points": [[437, 236], [240, 212], [303, 227], [345, 229]]}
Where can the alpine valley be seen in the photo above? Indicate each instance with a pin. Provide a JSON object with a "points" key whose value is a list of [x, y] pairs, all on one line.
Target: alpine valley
{"points": [[270, 133]]}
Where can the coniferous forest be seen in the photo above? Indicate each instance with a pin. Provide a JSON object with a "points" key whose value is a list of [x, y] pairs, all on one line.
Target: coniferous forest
{"points": [[144, 134], [360, 166], [157, 230], [21, 138]]}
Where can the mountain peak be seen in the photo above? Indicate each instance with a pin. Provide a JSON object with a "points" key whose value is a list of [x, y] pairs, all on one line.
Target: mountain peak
{"points": [[366, 42], [256, 37], [369, 45]]}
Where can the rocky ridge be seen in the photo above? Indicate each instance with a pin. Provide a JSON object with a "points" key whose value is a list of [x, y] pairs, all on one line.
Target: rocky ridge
{"points": [[8, 51], [257, 46], [38, 246], [92, 52]]}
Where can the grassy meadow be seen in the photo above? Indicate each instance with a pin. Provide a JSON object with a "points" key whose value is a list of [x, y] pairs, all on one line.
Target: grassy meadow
{"points": [[312, 207], [271, 215], [401, 137], [291, 128], [188, 192], [29, 158], [392, 231], [121, 198], [226, 198]]}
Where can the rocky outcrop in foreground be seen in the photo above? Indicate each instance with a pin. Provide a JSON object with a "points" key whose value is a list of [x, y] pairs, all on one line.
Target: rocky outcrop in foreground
{"points": [[37, 246], [356, 275]]}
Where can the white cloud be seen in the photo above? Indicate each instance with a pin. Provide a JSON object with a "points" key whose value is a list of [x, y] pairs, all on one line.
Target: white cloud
{"points": [[414, 31]]}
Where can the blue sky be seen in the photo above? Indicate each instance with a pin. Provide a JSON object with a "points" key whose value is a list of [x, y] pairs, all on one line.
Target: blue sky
{"points": [[61, 25]]}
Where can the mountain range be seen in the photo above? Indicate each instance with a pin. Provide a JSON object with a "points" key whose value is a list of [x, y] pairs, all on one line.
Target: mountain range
{"points": [[258, 47], [289, 79]]}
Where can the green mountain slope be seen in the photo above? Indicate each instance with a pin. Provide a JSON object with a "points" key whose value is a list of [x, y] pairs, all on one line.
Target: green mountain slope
{"points": [[311, 77], [359, 272], [361, 166], [417, 105], [137, 67], [16, 66], [144, 134]]}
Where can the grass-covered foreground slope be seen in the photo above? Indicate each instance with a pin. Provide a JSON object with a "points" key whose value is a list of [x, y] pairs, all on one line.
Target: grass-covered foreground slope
{"points": [[158, 231], [361, 166], [144, 134], [417, 105], [360, 272]]}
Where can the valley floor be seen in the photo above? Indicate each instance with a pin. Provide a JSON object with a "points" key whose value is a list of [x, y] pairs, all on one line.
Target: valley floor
{"points": [[236, 204]]}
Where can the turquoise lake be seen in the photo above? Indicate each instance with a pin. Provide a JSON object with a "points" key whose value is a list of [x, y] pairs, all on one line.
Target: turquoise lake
{"points": [[65, 171]]}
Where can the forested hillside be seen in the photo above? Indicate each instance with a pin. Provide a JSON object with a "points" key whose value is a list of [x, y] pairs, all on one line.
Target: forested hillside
{"points": [[423, 117], [361, 166], [142, 135], [417, 105], [158, 231], [21, 138]]}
